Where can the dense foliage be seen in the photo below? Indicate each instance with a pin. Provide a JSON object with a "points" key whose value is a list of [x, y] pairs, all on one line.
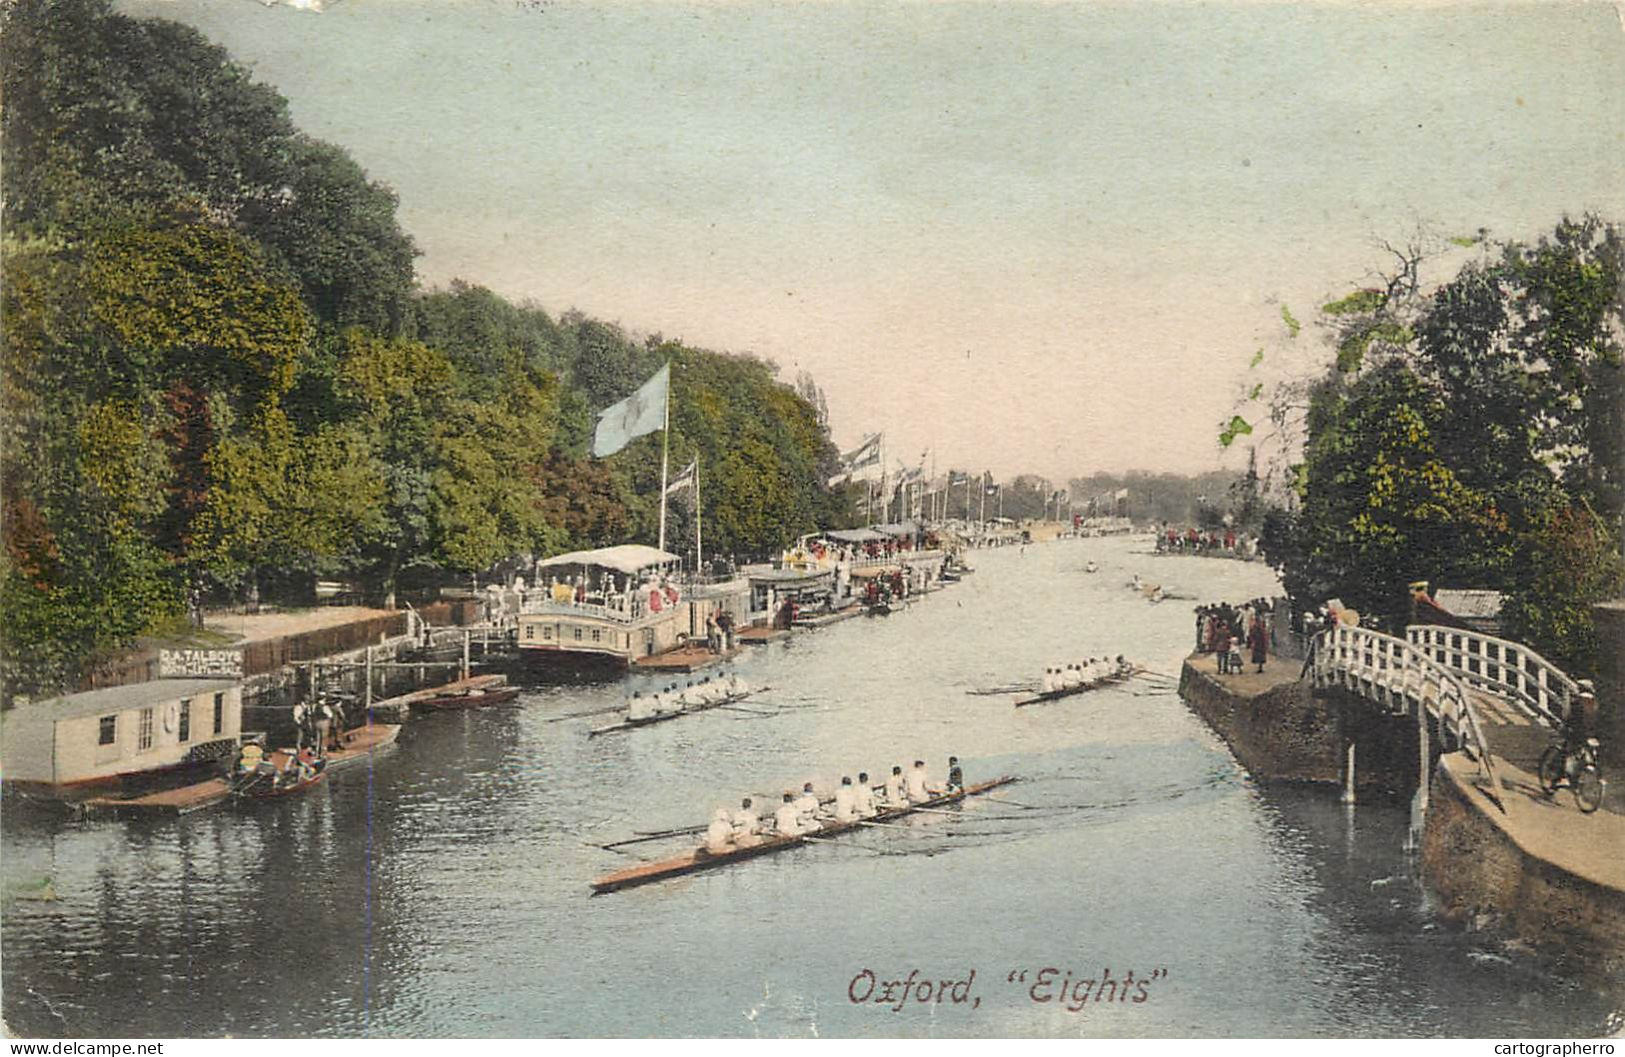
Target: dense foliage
{"points": [[219, 378], [1471, 435]]}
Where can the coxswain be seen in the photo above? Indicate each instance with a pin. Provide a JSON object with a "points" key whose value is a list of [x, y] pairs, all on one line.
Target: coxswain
{"points": [[956, 777], [846, 801], [895, 796], [1123, 666], [863, 797], [719, 834], [736, 686], [917, 792], [807, 806], [747, 827], [787, 820], [1046, 685]]}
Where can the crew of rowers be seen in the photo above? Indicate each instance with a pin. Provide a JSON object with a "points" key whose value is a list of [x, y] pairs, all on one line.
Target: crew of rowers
{"points": [[1082, 676], [701, 694], [806, 813]]}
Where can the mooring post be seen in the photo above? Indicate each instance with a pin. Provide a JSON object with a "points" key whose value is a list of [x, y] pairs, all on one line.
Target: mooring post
{"points": [[1348, 752], [1424, 774], [467, 635], [366, 693]]}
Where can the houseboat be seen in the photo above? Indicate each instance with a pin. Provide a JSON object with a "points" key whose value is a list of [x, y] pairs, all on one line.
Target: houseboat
{"points": [[611, 605], [122, 738]]}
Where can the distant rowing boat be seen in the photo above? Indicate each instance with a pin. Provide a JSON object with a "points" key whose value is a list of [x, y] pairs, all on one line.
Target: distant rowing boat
{"points": [[700, 859], [661, 717], [1056, 695]]}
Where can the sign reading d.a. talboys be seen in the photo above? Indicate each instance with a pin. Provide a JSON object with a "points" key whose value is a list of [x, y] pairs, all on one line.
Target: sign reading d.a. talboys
{"points": [[186, 664]]}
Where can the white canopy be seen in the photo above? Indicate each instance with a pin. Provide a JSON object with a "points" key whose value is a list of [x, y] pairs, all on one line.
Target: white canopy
{"points": [[627, 558]]}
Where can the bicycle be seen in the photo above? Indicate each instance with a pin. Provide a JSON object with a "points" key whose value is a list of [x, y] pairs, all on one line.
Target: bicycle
{"points": [[1575, 766]]}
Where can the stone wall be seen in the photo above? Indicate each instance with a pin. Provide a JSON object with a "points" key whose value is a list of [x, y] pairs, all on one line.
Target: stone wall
{"points": [[1279, 729], [1483, 880]]}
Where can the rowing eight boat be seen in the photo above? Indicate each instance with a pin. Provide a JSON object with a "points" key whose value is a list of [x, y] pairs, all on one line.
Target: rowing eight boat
{"points": [[1056, 695], [700, 859], [661, 717]]}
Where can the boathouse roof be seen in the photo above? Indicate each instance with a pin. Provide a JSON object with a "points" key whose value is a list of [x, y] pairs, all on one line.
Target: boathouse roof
{"points": [[119, 698], [627, 558]]}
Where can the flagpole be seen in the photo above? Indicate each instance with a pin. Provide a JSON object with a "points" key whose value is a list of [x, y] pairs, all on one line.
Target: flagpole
{"points": [[665, 437], [699, 555]]}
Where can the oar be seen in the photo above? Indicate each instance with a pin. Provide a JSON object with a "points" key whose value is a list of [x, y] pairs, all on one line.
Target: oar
{"points": [[1013, 803], [844, 844], [747, 711], [585, 715], [689, 831], [618, 851]]}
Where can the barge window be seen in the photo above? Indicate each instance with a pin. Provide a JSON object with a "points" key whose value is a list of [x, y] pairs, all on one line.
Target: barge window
{"points": [[530, 631], [185, 732], [597, 635], [143, 738], [578, 634], [547, 632], [219, 712], [109, 731]]}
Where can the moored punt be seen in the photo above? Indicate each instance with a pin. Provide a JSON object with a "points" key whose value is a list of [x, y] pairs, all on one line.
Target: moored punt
{"points": [[700, 859], [661, 717], [1072, 691], [360, 743], [470, 698]]}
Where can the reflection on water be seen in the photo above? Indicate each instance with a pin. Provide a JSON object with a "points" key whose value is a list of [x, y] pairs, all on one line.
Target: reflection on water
{"points": [[444, 892]]}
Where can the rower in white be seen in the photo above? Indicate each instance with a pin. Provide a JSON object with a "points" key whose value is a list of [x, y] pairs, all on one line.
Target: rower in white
{"points": [[807, 807], [917, 792], [719, 834], [747, 826], [846, 806], [863, 797], [787, 820], [640, 708], [895, 795]]}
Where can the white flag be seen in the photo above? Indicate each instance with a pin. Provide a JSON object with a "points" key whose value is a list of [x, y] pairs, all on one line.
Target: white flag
{"points": [[642, 412]]}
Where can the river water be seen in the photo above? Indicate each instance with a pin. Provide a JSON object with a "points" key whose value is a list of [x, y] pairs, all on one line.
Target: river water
{"points": [[444, 891]]}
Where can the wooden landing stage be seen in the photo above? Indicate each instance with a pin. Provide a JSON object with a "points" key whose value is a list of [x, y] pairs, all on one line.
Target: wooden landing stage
{"points": [[166, 803], [762, 636], [689, 658]]}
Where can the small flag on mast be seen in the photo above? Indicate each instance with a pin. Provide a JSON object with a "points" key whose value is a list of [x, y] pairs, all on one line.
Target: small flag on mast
{"points": [[684, 479]]}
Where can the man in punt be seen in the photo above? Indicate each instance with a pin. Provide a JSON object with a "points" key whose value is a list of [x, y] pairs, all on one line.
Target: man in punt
{"points": [[719, 834], [747, 827]]}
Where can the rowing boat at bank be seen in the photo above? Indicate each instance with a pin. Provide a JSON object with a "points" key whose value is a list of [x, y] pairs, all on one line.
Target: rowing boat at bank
{"points": [[661, 717], [1071, 691], [700, 859]]}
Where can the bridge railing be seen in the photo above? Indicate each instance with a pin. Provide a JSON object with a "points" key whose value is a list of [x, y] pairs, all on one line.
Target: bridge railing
{"points": [[1508, 669], [1394, 671]]}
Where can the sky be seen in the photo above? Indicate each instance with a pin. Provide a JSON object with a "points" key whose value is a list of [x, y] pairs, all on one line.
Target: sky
{"points": [[1029, 236]]}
